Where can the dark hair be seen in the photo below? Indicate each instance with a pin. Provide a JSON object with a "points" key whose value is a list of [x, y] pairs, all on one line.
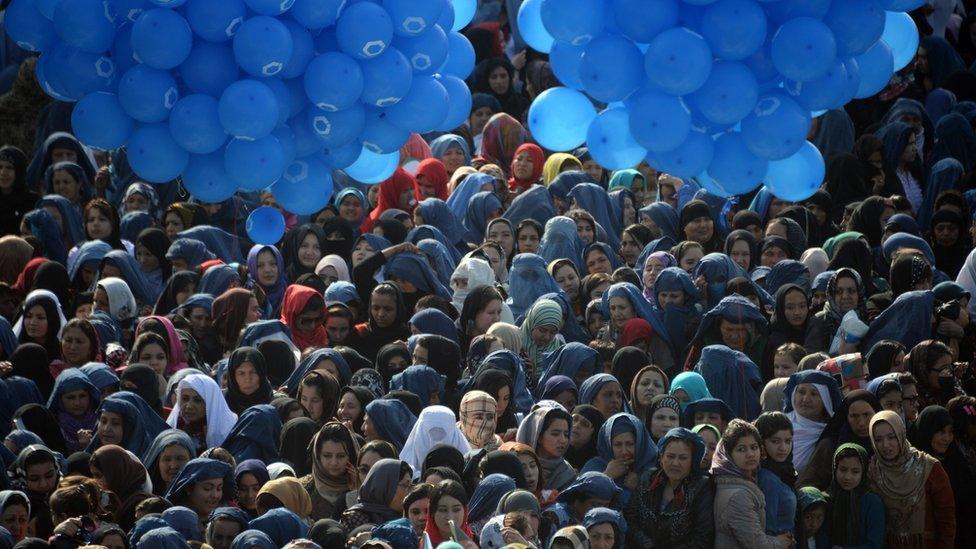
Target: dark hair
{"points": [[437, 302], [641, 233], [444, 472], [906, 378], [106, 209], [90, 333], [342, 311], [381, 447], [881, 355], [736, 430], [148, 338], [329, 392], [71, 501], [606, 349], [417, 492], [793, 351], [335, 432], [552, 415], [589, 282], [962, 409], [770, 423], [451, 488], [531, 224], [151, 505], [475, 302], [924, 355]]}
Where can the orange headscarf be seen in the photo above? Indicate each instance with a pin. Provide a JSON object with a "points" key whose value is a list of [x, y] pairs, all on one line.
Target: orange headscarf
{"points": [[433, 171], [538, 163]]}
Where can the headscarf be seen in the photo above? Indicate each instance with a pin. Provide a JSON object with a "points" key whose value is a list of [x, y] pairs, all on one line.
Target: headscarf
{"points": [[528, 280], [693, 384], [293, 447], [422, 381], [42, 157], [561, 241], [389, 197], [392, 419], [15, 252], [326, 486], [138, 430], [276, 291], [378, 489], [199, 470], [604, 515], [175, 352], [481, 207], [534, 203], [543, 312], [645, 453], [163, 440], [954, 139], [806, 432], [556, 472], [501, 137], [436, 424], [845, 508], [838, 429], [448, 141], [733, 378], [571, 360], [177, 283], [290, 492], [435, 173], [293, 304], [220, 420], [55, 320], [121, 303], [43, 227], [236, 400]]}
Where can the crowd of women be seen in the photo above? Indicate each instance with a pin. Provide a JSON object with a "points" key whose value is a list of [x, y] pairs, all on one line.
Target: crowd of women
{"points": [[498, 346]]}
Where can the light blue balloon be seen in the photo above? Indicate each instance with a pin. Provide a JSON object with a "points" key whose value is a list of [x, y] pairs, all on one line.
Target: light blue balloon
{"points": [[262, 46], [147, 94], [305, 187], [678, 61], [575, 21], [734, 29], [901, 5], [734, 169], [658, 121], [565, 60], [460, 56], [302, 50], [559, 118], [195, 124], [215, 21], [248, 109], [335, 129], [423, 108], [530, 26], [209, 68], [464, 11], [780, 11], [853, 82], [803, 49], [856, 24], [610, 142], [380, 135], [386, 78], [339, 158], [84, 24], [877, 65], [426, 52], [162, 39], [316, 14], [690, 158], [371, 168], [364, 30], [901, 35], [99, 121], [269, 7], [797, 177], [642, 20], [154, 155], [265, 225], [28, 27], [254, 164], [777, 127], [334, 81], [612, 68], [206, 179], [413, 17], [826, 92], [728, 95], [459, 105], [49, 79]]}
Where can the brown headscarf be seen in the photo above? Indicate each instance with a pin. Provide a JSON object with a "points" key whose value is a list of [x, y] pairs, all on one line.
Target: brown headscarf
{"points": [[15, 252], [642, 411], [332, 488], [290, 493], [125, 476], [229, 314]]}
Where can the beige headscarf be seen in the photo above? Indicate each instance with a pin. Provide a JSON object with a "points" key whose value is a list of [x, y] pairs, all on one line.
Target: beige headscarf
{"points": [[290, 493], [479, 432], [510, 335]]}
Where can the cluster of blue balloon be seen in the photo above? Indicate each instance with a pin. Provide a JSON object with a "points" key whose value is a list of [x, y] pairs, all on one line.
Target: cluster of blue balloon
{"points": [[250, 94], [265, 225], [724, 91]]}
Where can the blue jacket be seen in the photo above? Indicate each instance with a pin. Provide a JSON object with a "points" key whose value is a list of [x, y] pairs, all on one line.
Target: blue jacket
{"points": [[780, 503]]}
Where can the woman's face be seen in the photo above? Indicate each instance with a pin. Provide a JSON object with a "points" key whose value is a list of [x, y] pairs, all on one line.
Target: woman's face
{"points": [[602, 536], [845, 294], [504, 395], [585, 231], [531, 469], [453, 159], [247, 491], [746, 454], [171, 460], [333, 458], [76, 348], [528, 240], [568, 280], [779, 445], [554, 440], [351, 209], [366, 461], [350, 409], [700, 230], [383, 309], [629, 249], [609, 399], [676, 460], [499, 81], [523, 166], [783, 365], [361, 252], [663, 420], [911, 150], [15, 519], [649, 386], [113, 541], [946, 234], [267, 269], [796, 309], [502, 234], [736, 336], [173, 225], [490, 314], [109, 270], [192, 406], [247, 378], [154, 356], [892, 401], [941, 368], [448, 509], [741, 254], [598, 262], [582, 431], [942, 439], [311, 400], [204, 496], [859, 418], [64, 184], [711, 442], [479, 117], [8, 174], [36, 323], [253, 311], [886, 442], [689, 260], [542, 336], [807, 401], [849, 472], [567, 399], [136, 202], [621, 310], [772, 255], [309, 251], [652, 269], [623, 446], [110, 428], [76, 403], [417, 514], [147, 261]]}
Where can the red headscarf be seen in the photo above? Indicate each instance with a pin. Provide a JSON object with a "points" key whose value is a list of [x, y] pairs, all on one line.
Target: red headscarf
{"points": [[433, 171], [538, 162], [25, 280], [635, 330], [292, 305], [389, 197], [435, 533]]}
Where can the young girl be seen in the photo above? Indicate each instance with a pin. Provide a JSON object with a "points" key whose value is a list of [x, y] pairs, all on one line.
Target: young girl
{"points": [[318, 395], [776, 477], [856, 515], [73, 402], [547, 431]]}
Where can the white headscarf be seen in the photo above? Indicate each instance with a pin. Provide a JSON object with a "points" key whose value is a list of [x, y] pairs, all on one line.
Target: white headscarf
{"points": [[478, 272], [121, 304], [967, 279], [337, 263], [436, 424], [34, 296], [815, 260], [806, 432], [220, 420]]}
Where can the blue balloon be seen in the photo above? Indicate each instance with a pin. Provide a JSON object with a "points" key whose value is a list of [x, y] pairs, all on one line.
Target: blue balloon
{"points": [[215, 21], [265, 225], [728, 95], [690, 158], [413, 17], [565, 60], [195, 124], [371, 168], [610, 142], [777, 127], [45, 7], [735, 29], [305, 187], [761, 65], [780, 11], [574, 21], [901, 35], [304, 138], [121, 52], [856, 24], [282, 98], [531, 28], [426, 52], [734, 169], [262, 46], [797, 177], [826, 92], [254, 164], [296, 94], [99, 121], [559, 118], [148, 94], [642, 20], [464, 11], [162, 39], [423, 108], [28, 27], [154, 155], [340, 158], [316, 14], [126, 11], [459, 106], [901, 5], [81, 73], [269, 7], [84, 24], [386, 78], [678, 61], [248, 109], [803, 49], [460, 56], [205, 178], [658, 121], [338, 128], [334, 81], [286, 138], [364, 30], [302, 50], [853, 81], [210, 68], [380, 135], [48, 79], [168, 3], [612, 68], [877, 66]]}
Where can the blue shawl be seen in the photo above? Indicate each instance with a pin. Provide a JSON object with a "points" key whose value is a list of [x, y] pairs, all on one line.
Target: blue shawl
{"points": [[422, 381], [561, 241], [596, 201], [908, 320], [43, 226], [732, 377], [311, 360], [528, 279], [664, 216], [193, 251], [436, 213], [475, 222], [417, 271], [74, 227], [534, 203], [440, 257], [132, 275], [461, 196], [225, 245], [569, 360], [199, 470], [392, 419], [255, 435]]}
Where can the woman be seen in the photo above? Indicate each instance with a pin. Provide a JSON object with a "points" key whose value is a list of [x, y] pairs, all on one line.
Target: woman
{"points": [[482, 308], [79, 346], [540, 333], [169, 452], [232, 311], [845, 292], [318, 393], [902, 163], [849, 424], [202, 412], [526, 168], [436, 424], [247, 380], [302, 249], [267, 268], [17, 199], [547, 431], [452, 150], [303, 311], [623, 302], [123, 421], [623, 450], [389, 420], [738, 510], [177, 288], [381, 495], [333, 470], [448, 502], [203, 485], [41, 322], [14, 514], [777, 476], [812, 397], [119, 472], [387, 320], [151, 247], [932, 365], [741, 246], [587, 422], [648, 383], [672, 506], [250, 476], [478, 417], [856, 516], [73, 402], [665, 414], [788, 323], [919, 507]]}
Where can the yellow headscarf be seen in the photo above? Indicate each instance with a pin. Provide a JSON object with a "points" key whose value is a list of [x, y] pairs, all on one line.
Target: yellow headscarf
{"points": [[554, 166]]}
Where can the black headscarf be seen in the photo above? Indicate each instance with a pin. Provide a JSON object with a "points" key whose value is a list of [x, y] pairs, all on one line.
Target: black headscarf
{"points": [[292, 243], [491, 381], [52, 276], [444, 455], [866, 219], [627, 361], [40, 421], [30, 361], [279, 359], [342, 246], [838, 429], [143, 381], [393, 230], [296, 435], [177, 283], [781, 331], [881, 356], [512, 103], [374, 337], [743, 219], [907, 271], [807, 222], [21, 200], [855, 254], [236, 400], [387, 353], [505, 463], [156, 241], [948, 259], [444, 356], [845, 182], [748, 238], [578, 457]]}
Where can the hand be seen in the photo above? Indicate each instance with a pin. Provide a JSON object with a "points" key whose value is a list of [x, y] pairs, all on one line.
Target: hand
{"points": [[353, 473], [5, 368], [950, 329], [401, 248], [102, 178], [630, 481], [511, 535], [509, 435], [518, 60], [360, 539], [618, 468], [68, 528], [784, 541], [84, 437], [701, 283]]}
